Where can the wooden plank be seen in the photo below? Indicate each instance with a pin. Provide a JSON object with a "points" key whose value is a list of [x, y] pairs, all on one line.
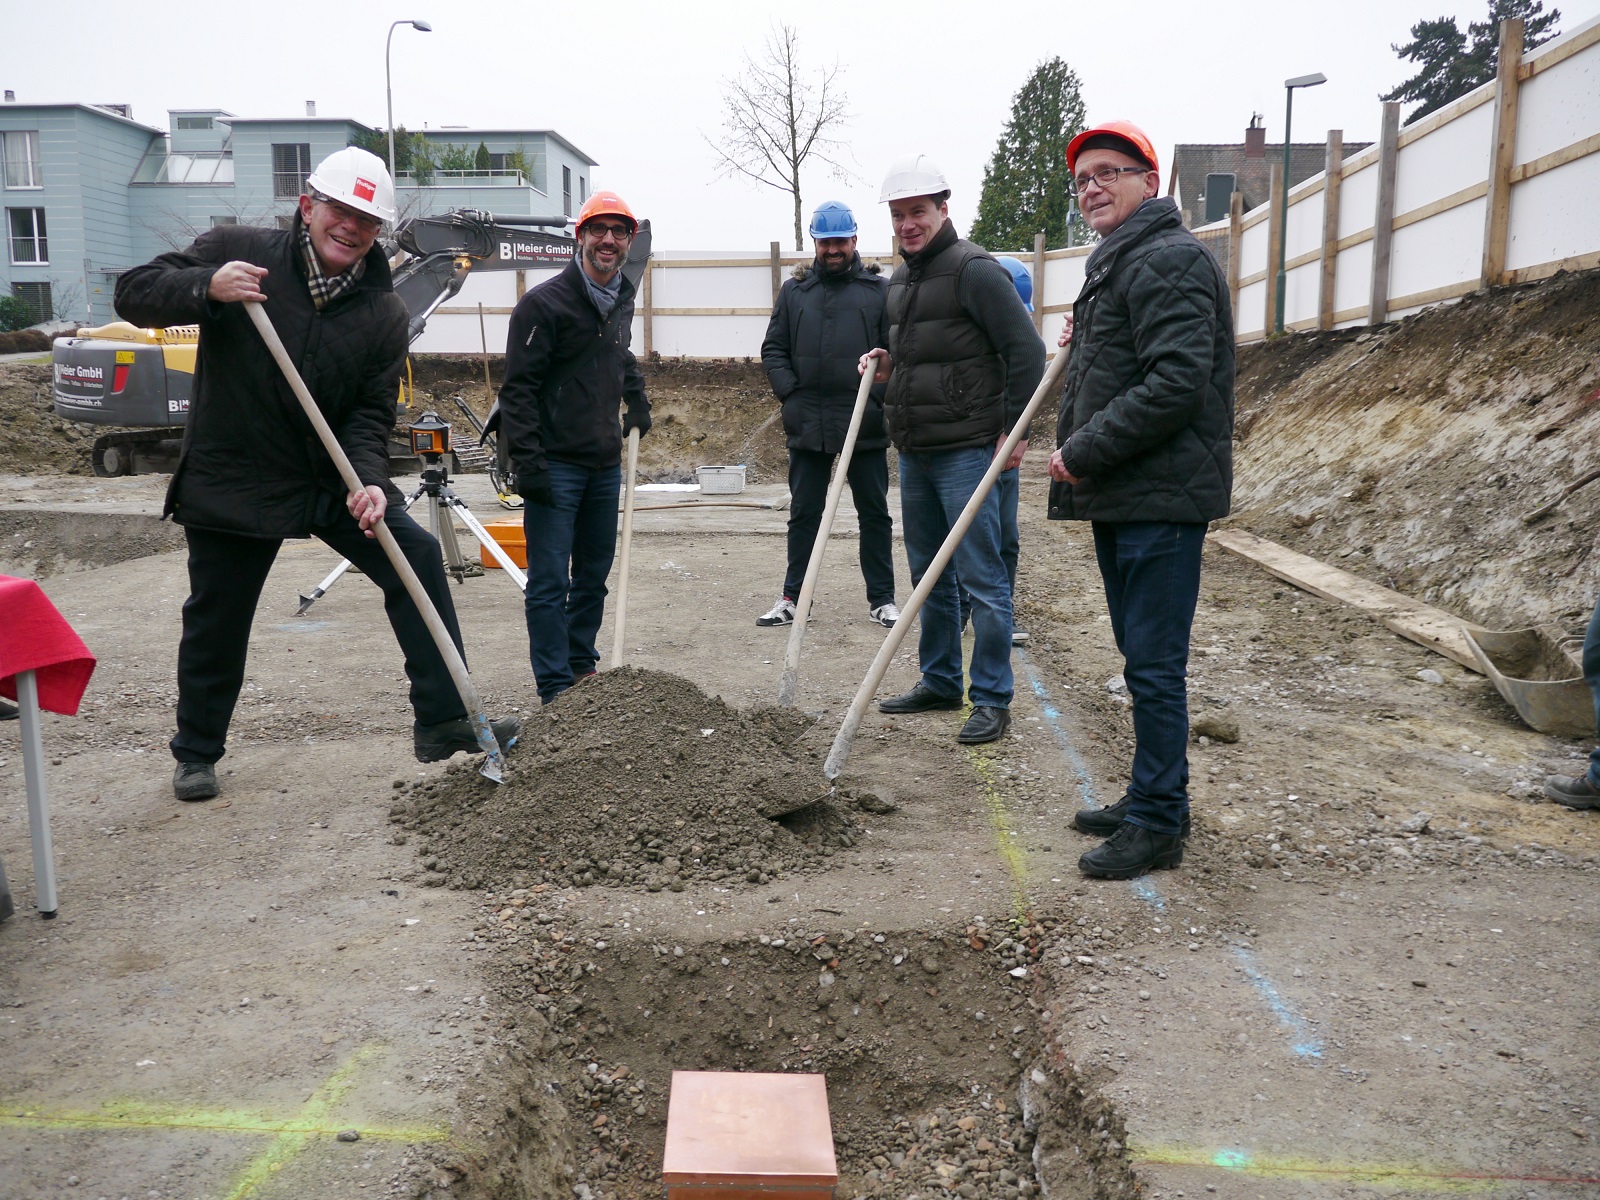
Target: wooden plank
{"points": [[1070, 252], [1432, 627], [777, 270], [1254, 277], [1330, 228], [649, 312], [1443, 204], [1577, 262], [1383, 217], [522, 283], [462, 310], [1559, 54], [1502, 156], [1556, 158], [713, 312], [1274, 243], [1047, 309], [1359, 238], [1038, 282], [1235, 250], [1433, 295]]}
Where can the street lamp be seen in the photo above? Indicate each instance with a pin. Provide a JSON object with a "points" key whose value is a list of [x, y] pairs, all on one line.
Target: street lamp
{"points": [[1289, 85], [388, 87]]}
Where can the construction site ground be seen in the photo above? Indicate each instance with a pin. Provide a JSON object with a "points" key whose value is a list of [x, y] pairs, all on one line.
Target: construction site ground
{"points": [[1372, 976]]}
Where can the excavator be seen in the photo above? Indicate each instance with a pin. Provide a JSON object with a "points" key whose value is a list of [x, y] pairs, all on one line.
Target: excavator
{"points": [[140, 379]]}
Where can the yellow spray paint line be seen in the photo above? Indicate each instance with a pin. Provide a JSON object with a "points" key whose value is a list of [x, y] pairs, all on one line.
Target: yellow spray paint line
{"points": [[1245, 1162], [290, 1135], [1006, 841]]}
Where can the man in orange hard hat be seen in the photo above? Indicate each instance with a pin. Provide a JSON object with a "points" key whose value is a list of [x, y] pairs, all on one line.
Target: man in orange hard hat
{"points": [[1145, 439], [569, 372]]}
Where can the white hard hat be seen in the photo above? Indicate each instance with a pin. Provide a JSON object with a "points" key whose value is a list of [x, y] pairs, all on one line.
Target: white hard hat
{"points": [[913, 175], [357, 179]]}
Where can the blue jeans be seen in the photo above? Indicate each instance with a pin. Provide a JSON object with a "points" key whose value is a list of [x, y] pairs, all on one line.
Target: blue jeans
{"points": [[1151, 571], [571, 545], [934, 488], [1006, 487], [1591, 676]]}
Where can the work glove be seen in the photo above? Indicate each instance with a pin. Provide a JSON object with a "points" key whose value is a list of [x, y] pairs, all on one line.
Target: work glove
{"points": [[534, 487], [632, 420]]}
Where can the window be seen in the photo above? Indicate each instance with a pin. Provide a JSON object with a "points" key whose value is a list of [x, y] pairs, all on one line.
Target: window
{"points": [[583, 189], [194, 122], [37, 297], [284, 221], [215, 221], [566, 190], [291, 163], [20, 149], [28, 244]]}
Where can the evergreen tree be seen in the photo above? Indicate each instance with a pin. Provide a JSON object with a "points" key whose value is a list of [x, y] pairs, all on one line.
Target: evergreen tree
{"points": [[1453, 63], [1025, 186], [482, 161]]}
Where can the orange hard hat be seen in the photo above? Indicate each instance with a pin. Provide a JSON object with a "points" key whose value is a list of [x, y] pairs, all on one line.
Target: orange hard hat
{"points": [[1127, 131], [606, 204]]}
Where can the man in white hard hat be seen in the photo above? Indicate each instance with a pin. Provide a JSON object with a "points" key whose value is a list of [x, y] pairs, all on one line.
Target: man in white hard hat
{"points": [[252, 471], [962, 362]]}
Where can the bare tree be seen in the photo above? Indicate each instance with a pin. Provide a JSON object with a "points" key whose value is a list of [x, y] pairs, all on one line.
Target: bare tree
{"points": [[775, 119]]}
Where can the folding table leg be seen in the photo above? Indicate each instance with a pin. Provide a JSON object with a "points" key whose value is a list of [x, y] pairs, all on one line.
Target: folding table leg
{"points": [[44, 868]]}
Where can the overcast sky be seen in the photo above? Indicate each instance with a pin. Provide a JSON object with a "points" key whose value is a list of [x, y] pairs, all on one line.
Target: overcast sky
{"points": [[637, 85]]}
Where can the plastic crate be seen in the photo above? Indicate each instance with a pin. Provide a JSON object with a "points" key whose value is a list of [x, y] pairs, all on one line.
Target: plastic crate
{"points": [[720, 481]]}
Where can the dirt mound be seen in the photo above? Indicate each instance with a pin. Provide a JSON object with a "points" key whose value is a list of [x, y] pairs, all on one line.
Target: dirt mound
{"points": [[633, 778], [33, 440]]}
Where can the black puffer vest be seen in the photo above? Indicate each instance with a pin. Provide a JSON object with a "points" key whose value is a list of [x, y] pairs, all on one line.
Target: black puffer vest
{"points": [[947, 390]]}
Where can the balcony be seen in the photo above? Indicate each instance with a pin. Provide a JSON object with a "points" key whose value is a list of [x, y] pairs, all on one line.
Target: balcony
{"points": [[463, 179]]}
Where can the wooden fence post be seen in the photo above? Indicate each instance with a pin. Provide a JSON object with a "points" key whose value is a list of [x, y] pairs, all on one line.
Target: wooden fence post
{"points": [[522, 283], [1235, 248], [1502, 155], [777, 271], [1383, 218], [649, 309], [1038, 282], [1274, 244], [1332, 177]]}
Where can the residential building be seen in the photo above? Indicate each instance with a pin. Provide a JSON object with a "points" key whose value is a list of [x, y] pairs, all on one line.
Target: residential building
{"points": [[89, 192], [1243, 167]]}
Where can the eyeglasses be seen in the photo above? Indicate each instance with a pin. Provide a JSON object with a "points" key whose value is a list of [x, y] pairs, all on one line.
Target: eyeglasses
{"points": [[1105, 177], [364, 220], [599, 229]]}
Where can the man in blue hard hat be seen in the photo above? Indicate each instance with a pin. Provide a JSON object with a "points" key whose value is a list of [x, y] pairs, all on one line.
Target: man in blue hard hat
{"points": [[824, 320]]}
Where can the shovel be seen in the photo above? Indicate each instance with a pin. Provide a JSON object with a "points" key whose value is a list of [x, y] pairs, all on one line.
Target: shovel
{"points": [[621, 632], [493, 760], [869, 686], [788, 684]]}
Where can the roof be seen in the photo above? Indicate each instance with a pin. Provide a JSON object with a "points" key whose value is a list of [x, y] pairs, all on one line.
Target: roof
{"points": [[1192, 163], [297, 121], [107, 114]]}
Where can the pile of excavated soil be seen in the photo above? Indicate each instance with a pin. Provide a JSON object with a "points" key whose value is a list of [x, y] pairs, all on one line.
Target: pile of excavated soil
{"points": [[33, 439], [703, 413], [633, 778]]}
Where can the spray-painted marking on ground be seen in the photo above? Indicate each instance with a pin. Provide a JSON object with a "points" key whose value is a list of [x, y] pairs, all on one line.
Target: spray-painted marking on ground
{"points": [[1245, 1162], [1005, 837], [1052, 715], [291, 1135], [1304, 1042]]}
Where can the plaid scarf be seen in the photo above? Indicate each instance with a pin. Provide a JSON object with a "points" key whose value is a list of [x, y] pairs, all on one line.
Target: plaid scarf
{"points": [[323, 289]]}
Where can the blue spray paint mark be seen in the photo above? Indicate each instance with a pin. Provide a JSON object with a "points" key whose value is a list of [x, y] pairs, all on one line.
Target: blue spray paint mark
{"points": [[1232, 1160], [1053, 715], [1305, 1043], [1145, 889]]}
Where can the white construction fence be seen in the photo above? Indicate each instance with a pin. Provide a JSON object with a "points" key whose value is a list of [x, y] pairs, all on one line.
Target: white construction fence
{"points": [[1499, 187]]}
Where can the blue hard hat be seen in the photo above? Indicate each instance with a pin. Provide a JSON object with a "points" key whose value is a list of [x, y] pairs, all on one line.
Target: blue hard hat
{"points": [[833, 220], [1019, 277]]}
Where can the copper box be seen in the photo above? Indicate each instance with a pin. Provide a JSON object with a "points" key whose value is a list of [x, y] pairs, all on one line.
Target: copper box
{"points": [[748, 1136]]}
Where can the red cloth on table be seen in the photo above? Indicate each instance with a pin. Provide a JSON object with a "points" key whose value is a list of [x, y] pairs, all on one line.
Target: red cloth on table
{"points": [[35, 637]]}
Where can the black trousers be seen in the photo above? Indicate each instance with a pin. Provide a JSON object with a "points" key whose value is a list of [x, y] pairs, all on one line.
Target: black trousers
{"points": [[226, 575], [808, 496]]}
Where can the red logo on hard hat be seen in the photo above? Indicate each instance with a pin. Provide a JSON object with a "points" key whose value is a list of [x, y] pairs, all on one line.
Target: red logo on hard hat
{"points": [[365, 189]]}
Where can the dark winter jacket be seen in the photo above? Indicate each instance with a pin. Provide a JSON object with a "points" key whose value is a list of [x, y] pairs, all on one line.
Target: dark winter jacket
{"points": [[251, 462], [1146, 418], [821, 326], [965, 355], [568, 372]]}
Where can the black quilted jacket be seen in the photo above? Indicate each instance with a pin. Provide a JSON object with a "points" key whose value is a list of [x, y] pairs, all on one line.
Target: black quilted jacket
{"points": [[1146, 416], [821, 326], [251, 462]]}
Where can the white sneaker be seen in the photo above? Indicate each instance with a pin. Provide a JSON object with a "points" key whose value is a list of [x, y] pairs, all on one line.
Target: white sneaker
{"points": [[1019, 637], [781, 613], [885, 614]]}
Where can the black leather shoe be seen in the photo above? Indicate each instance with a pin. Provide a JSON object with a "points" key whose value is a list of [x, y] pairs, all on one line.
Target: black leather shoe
{"points": [[194, 781], [1103, 822], [986, 724], [434, 743], [1572, 791], [1131, 851], [921, 698]]}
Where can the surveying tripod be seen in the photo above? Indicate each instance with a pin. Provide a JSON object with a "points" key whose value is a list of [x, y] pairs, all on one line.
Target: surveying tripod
{"points": [[430, 441]]}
